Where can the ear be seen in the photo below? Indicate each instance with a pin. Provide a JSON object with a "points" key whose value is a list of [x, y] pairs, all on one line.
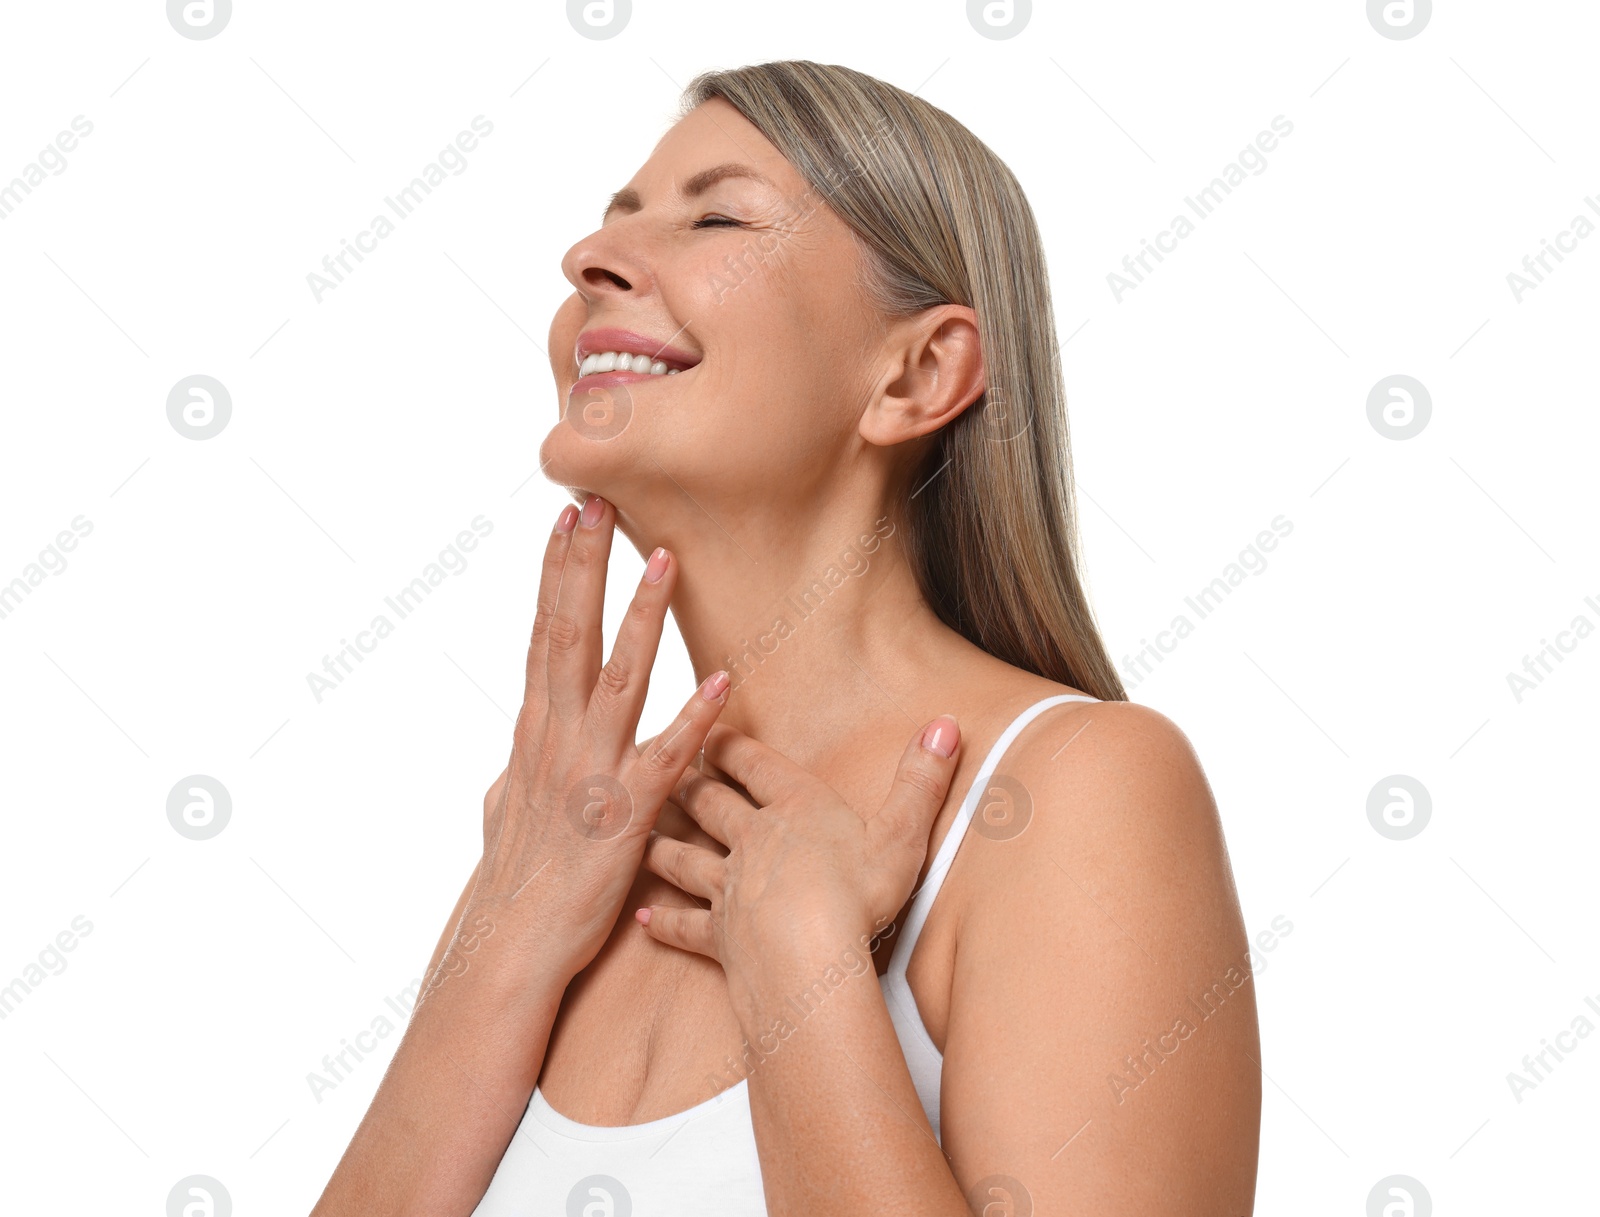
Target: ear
{"points": [[935, 372]]}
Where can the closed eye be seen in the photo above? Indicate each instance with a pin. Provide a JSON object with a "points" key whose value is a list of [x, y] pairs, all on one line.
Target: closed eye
{"points": [[715, 221]]}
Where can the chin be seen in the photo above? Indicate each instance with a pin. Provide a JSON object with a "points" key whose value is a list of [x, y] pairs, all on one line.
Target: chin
{"points": [[585, 465]]}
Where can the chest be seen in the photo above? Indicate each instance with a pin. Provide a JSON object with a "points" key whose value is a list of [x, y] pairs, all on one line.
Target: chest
{"points": [[647, 1030]]}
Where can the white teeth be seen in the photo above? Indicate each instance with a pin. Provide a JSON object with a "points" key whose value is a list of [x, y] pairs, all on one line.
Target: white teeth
{"points": [[624, 361]]}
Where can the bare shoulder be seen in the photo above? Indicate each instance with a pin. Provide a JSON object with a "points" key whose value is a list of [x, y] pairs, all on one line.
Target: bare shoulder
{"points": [[1104, 806], [1112, 774], [1098, 909], [1099, 840]]}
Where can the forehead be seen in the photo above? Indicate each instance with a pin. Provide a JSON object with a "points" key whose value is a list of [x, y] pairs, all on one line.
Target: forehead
{"points": [[711, 144], [715, 130]]}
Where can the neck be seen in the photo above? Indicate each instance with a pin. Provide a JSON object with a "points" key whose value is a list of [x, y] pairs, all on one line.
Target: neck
{"points": [[818, 619]]}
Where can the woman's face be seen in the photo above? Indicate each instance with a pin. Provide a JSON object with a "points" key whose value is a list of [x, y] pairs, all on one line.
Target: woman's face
{"points": [[719, 259]]}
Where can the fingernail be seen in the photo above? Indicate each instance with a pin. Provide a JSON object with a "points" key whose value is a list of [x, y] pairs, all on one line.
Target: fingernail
{"points": [[642, 916], [656, 567], [568, 519], [941, 735], [592, 510], [716, 685]]}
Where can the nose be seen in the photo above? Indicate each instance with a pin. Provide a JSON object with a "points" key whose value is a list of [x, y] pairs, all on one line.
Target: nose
{"points": [[601, 264]]}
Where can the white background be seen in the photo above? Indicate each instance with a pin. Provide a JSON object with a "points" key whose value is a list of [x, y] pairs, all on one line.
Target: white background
{"points": [[368, 429]]}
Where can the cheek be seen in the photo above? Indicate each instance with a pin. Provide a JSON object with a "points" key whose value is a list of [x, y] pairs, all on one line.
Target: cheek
{"points": [[788, 384], [565, 327], [754, 431]]}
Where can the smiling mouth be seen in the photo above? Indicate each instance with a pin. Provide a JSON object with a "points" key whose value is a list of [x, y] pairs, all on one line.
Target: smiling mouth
{"points": [[622, 375]]}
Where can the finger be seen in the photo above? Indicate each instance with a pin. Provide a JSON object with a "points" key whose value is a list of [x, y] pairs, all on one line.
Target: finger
{"points": [[715, 806], [691, 868], [619, 690], [920, 785], [687, 929], [555, 557], [657, 770], [575, 639], [765, 772]]}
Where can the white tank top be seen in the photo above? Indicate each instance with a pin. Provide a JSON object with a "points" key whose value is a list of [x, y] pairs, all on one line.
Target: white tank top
{"points": [[702, 1162]]}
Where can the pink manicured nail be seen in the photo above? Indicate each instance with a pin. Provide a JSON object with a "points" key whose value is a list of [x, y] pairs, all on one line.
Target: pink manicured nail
{"points": [[591, 511], [716, 685], [568, 519], [656, 567], [642, 916], [941, 735]]}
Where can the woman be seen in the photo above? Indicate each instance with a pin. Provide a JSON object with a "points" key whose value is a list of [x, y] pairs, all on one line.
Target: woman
{"points": [[838, 432]]}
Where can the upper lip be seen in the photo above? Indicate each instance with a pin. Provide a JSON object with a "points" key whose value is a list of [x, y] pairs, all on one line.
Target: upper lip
{"points": [[591, 341]]}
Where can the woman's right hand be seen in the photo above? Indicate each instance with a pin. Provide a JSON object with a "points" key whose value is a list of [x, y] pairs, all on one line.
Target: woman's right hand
{"points": [[565, 827]]}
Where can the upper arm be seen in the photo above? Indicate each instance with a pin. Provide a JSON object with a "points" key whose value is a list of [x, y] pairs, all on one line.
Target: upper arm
{"points": [[1102, 991]]}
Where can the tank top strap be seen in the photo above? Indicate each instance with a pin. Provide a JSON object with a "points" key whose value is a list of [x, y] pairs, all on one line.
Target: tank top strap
{"points": [[922, 900]]}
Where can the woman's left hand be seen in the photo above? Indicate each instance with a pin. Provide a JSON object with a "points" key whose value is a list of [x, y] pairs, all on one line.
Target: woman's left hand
{"points": [[801, 864]]}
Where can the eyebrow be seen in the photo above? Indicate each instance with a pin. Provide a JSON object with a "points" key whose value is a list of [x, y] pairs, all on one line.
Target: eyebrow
{"points": [[628, 200]]}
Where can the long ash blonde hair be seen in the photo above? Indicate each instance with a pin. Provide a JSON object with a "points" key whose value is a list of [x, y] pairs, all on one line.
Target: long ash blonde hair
{"points": [[991, 528]]}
